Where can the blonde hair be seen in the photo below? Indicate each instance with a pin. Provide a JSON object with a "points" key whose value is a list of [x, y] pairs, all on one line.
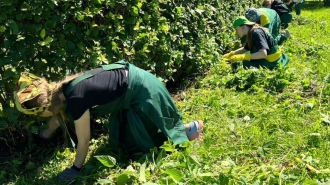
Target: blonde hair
{"points": [[55, 105]]}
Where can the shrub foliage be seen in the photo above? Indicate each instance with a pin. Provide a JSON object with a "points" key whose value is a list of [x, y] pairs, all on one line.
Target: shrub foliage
{"points": [[170, 38]]}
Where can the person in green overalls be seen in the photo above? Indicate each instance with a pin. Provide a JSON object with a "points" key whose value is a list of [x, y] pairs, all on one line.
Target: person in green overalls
{"points": [[281, 9], [297, 4], [264, 51], [267, 18], [142, 112]]}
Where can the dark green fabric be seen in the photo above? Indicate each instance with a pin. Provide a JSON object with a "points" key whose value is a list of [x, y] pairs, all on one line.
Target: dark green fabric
{"points": [[274, 21], [298, 7], [280, 39], [274, 25], [286, 18], [147, 107]]}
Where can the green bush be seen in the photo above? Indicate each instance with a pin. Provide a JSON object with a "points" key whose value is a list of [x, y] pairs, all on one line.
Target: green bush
{"points": [[171, 39], [326, 2]]}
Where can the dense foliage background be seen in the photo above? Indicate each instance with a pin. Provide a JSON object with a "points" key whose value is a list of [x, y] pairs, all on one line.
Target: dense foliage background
{"points": [[172, 39]]}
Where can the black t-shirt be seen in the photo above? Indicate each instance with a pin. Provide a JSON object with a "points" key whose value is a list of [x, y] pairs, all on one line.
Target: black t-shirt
{"points": [[260, 40], [280, 7], [99, 89]]}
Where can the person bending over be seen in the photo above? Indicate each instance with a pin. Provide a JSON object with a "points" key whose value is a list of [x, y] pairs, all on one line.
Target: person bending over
{"points": [[268, 18], [142, 112], [264, 51]]}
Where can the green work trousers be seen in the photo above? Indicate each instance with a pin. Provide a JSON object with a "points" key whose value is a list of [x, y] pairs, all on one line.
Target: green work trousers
{"points": [[145, 116]]}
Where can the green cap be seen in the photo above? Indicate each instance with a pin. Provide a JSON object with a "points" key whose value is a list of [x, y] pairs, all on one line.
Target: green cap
{"points": [[242, 20]]}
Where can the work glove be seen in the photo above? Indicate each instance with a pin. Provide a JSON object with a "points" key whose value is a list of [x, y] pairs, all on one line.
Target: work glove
{"points": [[240, 57], [227, 55], [68, 174]]}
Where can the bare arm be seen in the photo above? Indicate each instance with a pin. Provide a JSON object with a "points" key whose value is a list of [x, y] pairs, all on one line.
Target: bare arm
{"points": [[82, 126], [53, 124], [261, 54], [240, 51]]}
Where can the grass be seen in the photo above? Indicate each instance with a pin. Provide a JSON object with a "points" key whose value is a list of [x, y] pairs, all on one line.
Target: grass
{"points": [[262, 127]]}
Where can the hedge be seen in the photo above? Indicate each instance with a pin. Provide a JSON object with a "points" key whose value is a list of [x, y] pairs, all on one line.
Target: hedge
{"points": [[170, 38]]}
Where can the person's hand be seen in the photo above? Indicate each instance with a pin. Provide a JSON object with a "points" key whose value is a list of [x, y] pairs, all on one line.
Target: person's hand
{"points": [[286, 33], [240, 57], [227, 55], [68, 174]]}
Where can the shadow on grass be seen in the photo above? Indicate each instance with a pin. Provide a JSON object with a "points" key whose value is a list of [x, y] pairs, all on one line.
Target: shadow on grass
{"points": [[21, 162], [29, 160], [44, 151]]}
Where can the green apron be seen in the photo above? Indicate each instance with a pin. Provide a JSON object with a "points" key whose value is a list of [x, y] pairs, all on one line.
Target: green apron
{"points": [[298, 7], [274, 21], [286, 17], [138, 116]]}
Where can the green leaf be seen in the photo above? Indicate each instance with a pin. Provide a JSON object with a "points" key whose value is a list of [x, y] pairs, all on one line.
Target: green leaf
{"points": [[122, 179], [50, 24], [160, 156], [168, 147], [175, 174], [106, 160], [34, 129], [310, 182], [80, 16], [105, 181], [142, 177], [48, 40], [12, 24], [3, 123], [149, 183], [2, 29], [80, 45], [43, 33], [97, 1], [134, 11], [139, 5], [185, 144], [223, 179]]}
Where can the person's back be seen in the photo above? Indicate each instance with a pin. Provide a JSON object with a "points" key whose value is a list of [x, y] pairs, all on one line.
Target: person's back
{"points": [[271, 20], [266, 17], [281, 9]]}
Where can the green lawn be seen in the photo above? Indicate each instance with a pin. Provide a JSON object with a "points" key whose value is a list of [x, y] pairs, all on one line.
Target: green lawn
{"points": [[261, 127]]}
